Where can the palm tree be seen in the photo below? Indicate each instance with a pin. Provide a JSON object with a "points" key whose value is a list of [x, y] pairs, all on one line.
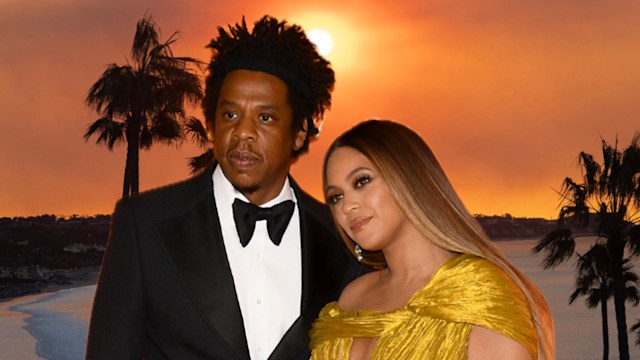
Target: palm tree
{"points": [[611, 191], [143, 102], [198, 134], [594, 282]]}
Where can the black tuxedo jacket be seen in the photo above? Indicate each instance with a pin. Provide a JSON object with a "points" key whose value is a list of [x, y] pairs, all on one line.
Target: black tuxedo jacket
{"points": [[166, 291]]}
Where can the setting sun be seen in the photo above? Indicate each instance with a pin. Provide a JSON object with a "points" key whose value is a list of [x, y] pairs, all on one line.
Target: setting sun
{"points": [[322, 39]]}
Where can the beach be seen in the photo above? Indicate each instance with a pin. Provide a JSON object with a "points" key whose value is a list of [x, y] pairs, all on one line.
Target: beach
{"points": [[53, 325], [50, 325]]}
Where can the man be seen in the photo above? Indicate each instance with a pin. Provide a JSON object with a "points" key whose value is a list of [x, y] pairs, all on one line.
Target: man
{"points": [[193, 270]]}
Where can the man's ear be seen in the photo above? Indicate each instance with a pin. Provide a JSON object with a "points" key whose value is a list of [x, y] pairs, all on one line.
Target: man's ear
{"points": [[301, 136]]}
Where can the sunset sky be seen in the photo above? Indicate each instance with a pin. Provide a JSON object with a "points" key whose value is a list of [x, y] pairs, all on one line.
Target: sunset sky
{"points": [[506, 92]]}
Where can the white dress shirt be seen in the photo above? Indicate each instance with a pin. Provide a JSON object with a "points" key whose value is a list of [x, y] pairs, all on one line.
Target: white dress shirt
{"points": [[267, 277]]}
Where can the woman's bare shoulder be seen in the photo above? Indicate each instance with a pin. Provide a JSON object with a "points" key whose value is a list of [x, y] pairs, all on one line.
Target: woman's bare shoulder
{"points": [[353, 294], [488, 344]]}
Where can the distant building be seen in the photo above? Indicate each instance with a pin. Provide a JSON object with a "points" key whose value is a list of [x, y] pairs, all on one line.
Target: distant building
{"points": [[32, 272], [5, 273], [81, 248]]}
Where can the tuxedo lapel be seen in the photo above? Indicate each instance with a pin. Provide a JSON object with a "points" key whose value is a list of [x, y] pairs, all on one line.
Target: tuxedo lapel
{"points": [[324, 266], [194, 243]]}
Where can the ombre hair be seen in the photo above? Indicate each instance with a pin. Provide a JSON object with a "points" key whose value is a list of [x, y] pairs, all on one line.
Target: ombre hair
{"points": [[421, 189]]}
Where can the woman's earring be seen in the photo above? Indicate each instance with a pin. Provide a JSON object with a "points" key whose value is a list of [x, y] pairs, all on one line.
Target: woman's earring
{"points": [[358, 250]]}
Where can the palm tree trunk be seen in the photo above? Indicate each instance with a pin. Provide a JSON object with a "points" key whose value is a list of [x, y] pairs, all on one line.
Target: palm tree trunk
{"points": [[605, 328], [616, 247], [135, 169], [621, 317], [131, 171], [126, 185]]}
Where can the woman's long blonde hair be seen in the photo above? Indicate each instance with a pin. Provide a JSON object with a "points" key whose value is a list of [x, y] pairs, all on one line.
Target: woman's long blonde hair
{"points": [[420, 187]]}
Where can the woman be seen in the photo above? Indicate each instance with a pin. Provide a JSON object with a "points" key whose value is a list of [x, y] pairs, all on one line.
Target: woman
{"points": [[440, 289]]}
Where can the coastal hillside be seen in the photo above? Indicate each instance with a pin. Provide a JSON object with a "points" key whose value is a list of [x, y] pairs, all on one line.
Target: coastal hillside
{"points": [[40, 251]]}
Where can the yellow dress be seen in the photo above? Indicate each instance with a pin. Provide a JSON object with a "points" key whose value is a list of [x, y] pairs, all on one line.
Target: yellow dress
{"points": [[435, 323]]}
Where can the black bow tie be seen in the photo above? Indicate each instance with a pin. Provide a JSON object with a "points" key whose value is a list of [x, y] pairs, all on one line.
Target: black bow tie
{"points": [[277, 216]]}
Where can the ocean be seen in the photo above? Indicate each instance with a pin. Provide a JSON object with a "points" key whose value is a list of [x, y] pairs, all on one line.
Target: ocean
{"points": [[54, 325], [578, 329]]}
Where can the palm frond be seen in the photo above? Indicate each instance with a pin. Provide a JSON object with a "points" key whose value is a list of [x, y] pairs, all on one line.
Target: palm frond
{"points": [[145, 39], [558, 247], [166, 129], [196, 131], [593, 277], [201, 162], [113, 91], [633, 295], [108, 131], [636, 328], [146, 137], [634, 240], [591, 170]]}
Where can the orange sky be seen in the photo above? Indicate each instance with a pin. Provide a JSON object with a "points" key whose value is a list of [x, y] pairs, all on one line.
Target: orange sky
{"points": [[505, 92]]}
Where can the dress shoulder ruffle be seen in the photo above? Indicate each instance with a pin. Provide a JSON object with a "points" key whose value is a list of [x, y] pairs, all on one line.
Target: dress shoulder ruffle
{"points": [[466, 290]]}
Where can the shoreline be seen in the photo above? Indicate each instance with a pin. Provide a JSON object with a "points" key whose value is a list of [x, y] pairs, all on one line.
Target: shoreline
{"points": [[47, 325], [72, 278]]}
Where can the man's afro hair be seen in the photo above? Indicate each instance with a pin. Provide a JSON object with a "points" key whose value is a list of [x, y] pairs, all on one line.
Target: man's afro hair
{"points": [[280, 49]]}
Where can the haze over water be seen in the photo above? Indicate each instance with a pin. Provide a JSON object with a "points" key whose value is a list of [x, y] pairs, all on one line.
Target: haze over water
{"points": [[578, 329]]}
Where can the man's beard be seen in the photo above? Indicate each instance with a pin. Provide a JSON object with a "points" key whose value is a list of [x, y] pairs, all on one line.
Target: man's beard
{"points": [[247, 190]]}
